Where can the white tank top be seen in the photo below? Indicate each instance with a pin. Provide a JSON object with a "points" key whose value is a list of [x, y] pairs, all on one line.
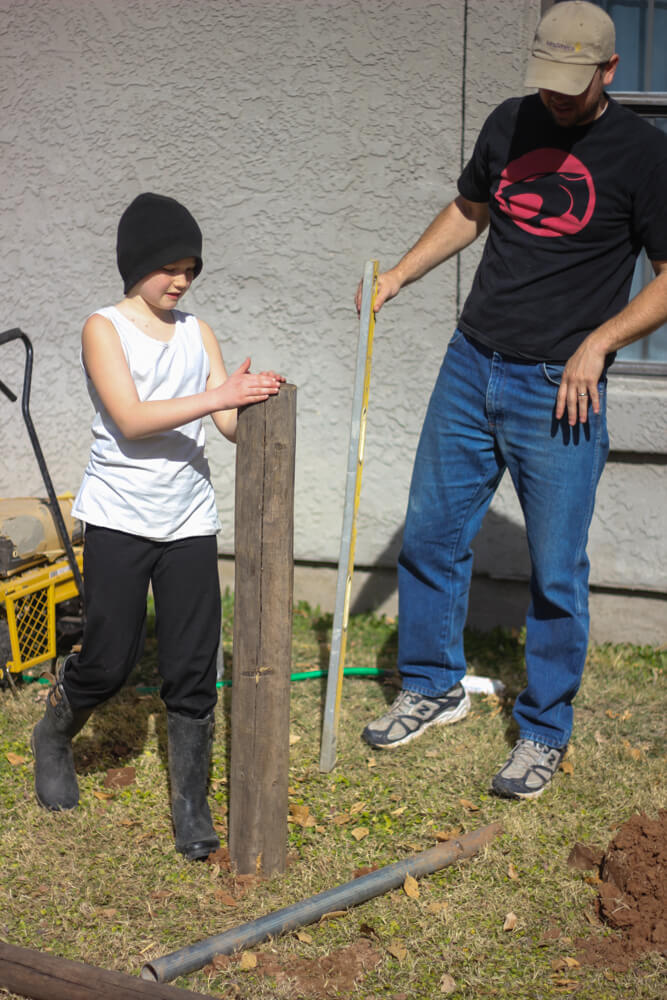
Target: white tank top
{"points": [[158, 486]]}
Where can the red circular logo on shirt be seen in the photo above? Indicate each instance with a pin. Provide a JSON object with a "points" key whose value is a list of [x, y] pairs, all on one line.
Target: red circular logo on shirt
{"points": [[547, 192]]}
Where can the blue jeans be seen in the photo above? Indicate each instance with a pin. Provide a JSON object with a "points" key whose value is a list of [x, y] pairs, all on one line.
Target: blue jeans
{"points": [[488, 413]]}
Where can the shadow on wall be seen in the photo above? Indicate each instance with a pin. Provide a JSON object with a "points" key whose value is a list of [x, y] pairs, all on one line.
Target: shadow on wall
{"points": [[499, 593]]}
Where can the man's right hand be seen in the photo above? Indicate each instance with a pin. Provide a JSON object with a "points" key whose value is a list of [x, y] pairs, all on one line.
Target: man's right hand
{"points": [[388, 285]]}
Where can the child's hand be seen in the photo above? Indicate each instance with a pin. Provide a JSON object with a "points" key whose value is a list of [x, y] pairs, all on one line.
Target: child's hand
{"points": [[279, 378], [244, 387]]}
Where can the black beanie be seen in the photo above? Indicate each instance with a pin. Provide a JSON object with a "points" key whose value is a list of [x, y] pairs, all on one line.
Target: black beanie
{"points": [[155, 231]]}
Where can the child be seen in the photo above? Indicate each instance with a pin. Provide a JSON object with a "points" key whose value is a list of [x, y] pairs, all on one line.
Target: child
{"points": [[148, 505]]}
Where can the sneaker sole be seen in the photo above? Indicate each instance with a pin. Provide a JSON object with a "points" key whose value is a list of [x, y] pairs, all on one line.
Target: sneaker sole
{"points": [[517, 796], [453, 716]]}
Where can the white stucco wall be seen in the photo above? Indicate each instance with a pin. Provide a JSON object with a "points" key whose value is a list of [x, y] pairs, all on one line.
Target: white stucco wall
{"points": [[306, 136]]}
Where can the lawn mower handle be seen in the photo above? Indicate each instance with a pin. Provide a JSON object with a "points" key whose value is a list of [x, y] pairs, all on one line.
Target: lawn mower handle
{"points": [[5, 337]]}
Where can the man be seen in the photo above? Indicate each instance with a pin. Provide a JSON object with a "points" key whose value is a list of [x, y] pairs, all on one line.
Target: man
{"points": [[571, 186]]}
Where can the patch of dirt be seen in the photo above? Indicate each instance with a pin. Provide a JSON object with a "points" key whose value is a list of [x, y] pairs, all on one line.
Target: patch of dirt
{"points": [[632, 893], [318, 978]]}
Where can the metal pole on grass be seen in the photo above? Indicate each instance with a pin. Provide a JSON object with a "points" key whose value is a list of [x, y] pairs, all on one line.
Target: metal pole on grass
{"points": [[307, 911]]}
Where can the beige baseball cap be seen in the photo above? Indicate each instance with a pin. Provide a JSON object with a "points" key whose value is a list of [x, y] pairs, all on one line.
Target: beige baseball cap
{"points": [[571, 41]]}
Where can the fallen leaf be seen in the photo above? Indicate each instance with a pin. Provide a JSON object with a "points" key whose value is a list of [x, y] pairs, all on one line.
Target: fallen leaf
{"points": [[357, 808], [104, 796], [558, 964], [300, 815], [220, 962], [341, 819], [467, 804], [14, 759], [398, 950], [371, 762], [436, 907], [108, 913], [552, 933], [304, 937], [510, 922], [364, 870], [399, 811], [633, 752], [443, 835], [411, 887], [567, 767], [225, 898], [572, 963], [248, 961], [333, 914], [293, 738], [360, 832], [447, 984], [512, 872]]}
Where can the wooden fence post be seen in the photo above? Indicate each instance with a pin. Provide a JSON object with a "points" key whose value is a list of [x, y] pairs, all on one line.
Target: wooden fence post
{"points": [[263, 588]]}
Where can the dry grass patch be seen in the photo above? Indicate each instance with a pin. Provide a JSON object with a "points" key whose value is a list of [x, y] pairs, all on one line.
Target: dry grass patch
{"points": [[103, 884]]}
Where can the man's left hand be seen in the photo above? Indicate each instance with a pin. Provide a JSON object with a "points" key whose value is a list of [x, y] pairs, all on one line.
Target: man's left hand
{"points": [[579, 385]]}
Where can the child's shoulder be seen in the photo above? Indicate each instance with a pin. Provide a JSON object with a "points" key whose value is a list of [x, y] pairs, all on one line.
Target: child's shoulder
{"points": [[106, 311]]}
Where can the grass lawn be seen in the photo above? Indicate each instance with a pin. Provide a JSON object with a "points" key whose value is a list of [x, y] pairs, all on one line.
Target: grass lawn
{"points": [[103, 884]]}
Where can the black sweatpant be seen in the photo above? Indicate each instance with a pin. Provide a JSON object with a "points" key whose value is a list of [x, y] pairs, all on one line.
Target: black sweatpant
{"points": [[117, 570]]}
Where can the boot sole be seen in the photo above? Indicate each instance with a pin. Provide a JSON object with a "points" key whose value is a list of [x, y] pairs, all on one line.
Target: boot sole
{"points": [[199, 851]]}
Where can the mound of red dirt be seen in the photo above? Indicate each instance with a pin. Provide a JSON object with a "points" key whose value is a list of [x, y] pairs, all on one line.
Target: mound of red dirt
{"points": [[632, 893]]}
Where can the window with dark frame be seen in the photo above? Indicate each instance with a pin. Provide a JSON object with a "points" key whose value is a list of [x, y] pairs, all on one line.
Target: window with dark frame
{"points": [[641, 84]]}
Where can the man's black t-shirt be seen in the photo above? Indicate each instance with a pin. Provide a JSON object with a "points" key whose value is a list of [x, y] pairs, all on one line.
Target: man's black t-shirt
{"points": [[570, 209]]}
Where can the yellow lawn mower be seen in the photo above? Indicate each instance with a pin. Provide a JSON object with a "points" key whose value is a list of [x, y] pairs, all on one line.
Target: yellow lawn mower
{"points": [[41, 559]]}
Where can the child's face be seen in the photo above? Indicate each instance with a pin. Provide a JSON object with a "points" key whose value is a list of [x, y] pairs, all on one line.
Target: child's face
{"points": [[162, 289]]}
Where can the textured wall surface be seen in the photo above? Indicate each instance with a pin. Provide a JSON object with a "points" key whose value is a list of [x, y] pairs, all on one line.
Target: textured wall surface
{"points": [[306, 136]]}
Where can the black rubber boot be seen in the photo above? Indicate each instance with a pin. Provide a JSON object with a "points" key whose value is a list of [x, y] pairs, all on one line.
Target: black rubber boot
{"points": [[190, 745], [56, 786]]}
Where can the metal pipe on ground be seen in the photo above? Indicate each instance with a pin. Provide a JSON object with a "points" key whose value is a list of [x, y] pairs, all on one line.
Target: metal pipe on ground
{"points": [[39, 976], [307, 911]]}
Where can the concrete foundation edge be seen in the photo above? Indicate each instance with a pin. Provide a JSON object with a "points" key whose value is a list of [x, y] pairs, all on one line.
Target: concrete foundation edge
{"points": [[616, 617]]}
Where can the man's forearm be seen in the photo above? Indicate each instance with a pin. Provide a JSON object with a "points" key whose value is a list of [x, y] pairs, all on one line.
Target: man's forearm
{"points": [[454, 228], [579, 383], [644, 314]]}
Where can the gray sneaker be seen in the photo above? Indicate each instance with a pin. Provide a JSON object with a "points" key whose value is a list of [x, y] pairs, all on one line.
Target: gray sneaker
{"points": [[528, 770], [411, 714]]}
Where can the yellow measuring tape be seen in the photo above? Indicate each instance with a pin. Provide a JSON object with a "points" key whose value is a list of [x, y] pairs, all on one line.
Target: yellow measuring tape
{"points": [[349, 531]]}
